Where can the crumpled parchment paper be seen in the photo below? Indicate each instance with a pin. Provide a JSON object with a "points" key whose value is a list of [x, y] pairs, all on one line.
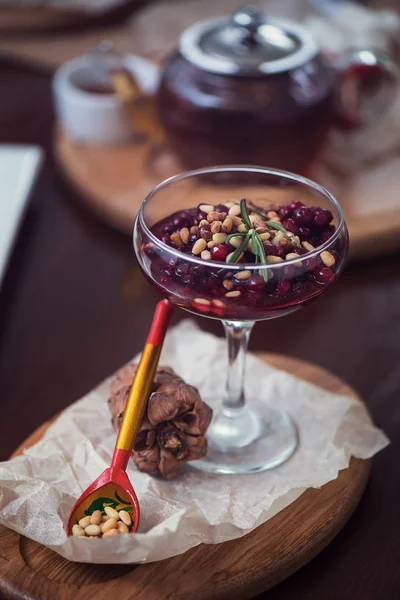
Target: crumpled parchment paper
{"points": [[38, 489]]}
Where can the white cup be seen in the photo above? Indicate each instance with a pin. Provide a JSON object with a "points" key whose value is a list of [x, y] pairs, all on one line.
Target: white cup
{"points": [[96, 117]]}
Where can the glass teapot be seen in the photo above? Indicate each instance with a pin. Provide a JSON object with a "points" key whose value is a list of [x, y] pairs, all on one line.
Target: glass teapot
{"points": [[248, 89]]}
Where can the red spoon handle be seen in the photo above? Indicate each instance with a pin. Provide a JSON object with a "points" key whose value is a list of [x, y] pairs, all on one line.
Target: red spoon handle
{"points": [[160, 324]]}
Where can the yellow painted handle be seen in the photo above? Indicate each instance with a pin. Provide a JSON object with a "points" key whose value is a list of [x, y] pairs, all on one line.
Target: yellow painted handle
{"points": [[138, 395]]}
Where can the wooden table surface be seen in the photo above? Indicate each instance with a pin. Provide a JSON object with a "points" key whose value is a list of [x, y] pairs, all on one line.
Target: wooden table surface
{"points": [[74, 307]]}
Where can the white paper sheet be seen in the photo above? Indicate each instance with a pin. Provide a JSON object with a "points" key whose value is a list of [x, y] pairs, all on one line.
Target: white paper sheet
{"points": [[38, 489]]}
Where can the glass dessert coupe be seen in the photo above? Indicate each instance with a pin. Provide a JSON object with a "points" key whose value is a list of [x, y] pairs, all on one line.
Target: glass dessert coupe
{"points": [[241, 244]]}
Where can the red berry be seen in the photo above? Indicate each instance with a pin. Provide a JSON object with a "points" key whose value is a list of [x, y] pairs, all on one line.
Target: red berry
{"points": [[290, 225], [283, 287], [219, 252], [304, 233], [256, 283], [320, 218], [311, 264], [285, 212], [295, 204], [325, 275], [303, 215], [289, 272]]}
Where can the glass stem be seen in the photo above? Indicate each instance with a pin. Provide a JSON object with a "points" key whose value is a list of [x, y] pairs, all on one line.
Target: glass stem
{"points": [[237, 336]]}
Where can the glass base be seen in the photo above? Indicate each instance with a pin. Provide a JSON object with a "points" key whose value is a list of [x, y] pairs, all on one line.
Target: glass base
{"points": [[248, 440]]}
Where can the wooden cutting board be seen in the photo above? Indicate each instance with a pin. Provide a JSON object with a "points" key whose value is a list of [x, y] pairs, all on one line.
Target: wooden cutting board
{"points": [[114, 180], [239, 569]]}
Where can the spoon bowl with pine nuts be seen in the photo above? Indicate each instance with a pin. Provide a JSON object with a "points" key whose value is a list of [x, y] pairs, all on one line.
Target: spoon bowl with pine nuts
{"points": [[109, 506]]}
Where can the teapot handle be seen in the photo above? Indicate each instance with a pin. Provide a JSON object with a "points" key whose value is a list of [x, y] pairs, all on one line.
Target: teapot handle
{"points": [[368, 81]]}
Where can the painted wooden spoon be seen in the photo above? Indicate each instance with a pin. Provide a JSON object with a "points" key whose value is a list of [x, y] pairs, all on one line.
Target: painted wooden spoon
{"points": [[113, 488]]}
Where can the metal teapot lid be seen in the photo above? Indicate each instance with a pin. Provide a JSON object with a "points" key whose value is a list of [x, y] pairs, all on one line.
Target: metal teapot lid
{"points": [[248, 43]]}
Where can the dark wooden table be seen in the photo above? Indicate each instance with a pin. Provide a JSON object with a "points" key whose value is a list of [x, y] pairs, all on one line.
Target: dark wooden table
{"points": [[74, 307]]}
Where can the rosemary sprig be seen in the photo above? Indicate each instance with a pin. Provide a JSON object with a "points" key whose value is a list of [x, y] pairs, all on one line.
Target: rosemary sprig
{"points": [[250, 234], [272, 224]]}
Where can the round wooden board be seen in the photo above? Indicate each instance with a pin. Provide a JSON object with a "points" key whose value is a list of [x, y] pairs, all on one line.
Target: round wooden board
{"points": [[114, 180], [238, 569]]}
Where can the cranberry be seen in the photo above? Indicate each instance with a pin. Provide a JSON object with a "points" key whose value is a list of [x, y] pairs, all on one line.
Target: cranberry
{"points": [[274, 250], [168, 228], [320, 218], [295, 204], [166, 239], [212, 283], [304, 233], [325, 275], [173, 262], [303, 215], [311, 264], [221, 208], [219, 252], [201, 215], [256, 283], [182, 270], [199, 271], [180, 221], [329, 215], [290, 225], [325, 236], [283, 287], [289, 272], [192, 238], [300, 250], [164, 280], [285, 212], [335, 254]]}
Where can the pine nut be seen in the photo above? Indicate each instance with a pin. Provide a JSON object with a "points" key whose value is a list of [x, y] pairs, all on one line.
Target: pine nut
{"points": [[278, 237], [274, 259], [84, 522], [205, 255], [229, 204], [217, 303], [77, 530], [184, 234], [199, 246], [234, 294], [206, 235], [206, 208], [327, 258], [271, 214], [228, 284], [194, 229], [275, 220], [296, 240], [211, 244], [253, 218], [176, 239], [125, 517], [234, 210], [292, 256], [228, 258], [219, 238], [202, 301], [121, 527], [111, 512], [95, 519], [309, 247], [215, 216], [216, 227], [111, 532], [203, 222], [242, 228], [265, 236], [236, 241], [227, 225], [243, 275], [92, 530], [236, 221], [104, 518], [111, 523]]}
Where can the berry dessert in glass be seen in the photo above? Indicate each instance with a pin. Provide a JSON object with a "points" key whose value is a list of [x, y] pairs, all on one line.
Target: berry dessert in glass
{"points": [[241, 244]]}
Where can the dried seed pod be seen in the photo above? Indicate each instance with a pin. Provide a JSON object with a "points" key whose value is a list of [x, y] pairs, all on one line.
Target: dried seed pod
{"points": [[174, 426]]}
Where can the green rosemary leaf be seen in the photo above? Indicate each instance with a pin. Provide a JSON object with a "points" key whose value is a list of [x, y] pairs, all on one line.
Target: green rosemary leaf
{"points": [[239, 250], [244, 214], [261, 256], [278, 226]]}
